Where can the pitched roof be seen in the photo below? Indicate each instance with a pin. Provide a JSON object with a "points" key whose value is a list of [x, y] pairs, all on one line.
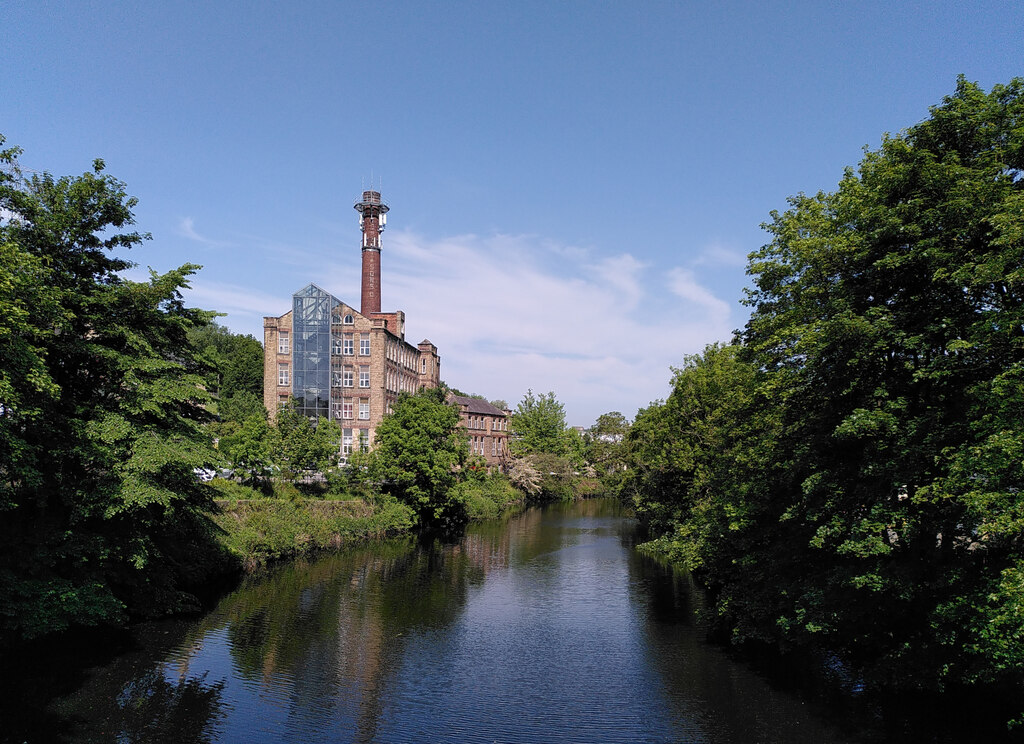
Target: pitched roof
{"points": [[477, 405]]}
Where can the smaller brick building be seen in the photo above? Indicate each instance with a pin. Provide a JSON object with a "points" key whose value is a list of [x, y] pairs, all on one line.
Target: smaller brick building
{"points": [[486, 427]]}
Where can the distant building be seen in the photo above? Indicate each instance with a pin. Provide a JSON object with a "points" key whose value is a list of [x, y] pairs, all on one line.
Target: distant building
{"points": [[336, 362], [486, 427]]}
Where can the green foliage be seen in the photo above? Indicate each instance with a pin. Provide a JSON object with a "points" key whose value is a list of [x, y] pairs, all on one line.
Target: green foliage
{"points": [[234, 362], [300, 447], [260, 531], [241, 406], [605, 449], [101, 413], [418, 451], [488, 497], [249, 451], [558, 479], [538, 425], [849, 478]]}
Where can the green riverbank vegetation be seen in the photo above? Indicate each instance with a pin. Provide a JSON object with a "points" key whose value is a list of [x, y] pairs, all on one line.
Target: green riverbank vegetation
{"points": [[847, 476]]}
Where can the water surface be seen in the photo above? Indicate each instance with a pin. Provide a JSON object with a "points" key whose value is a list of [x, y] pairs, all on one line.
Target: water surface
{"points": [[547, 627]]}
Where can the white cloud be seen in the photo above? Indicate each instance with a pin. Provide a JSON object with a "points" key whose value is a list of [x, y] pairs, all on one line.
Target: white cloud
{"points": [[683, 284], [186, 229], [508, 313], [243, 309], [719, 255]]}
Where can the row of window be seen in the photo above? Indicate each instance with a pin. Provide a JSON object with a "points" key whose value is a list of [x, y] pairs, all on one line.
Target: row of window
{"points": [[343, 344], [398, 382], [480, 422], [344, 377], [345, 408], [401, 354], [478, 445], [339, 319]]}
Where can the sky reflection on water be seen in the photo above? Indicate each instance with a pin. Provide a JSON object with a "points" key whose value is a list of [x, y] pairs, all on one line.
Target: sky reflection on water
{"points": [[544, 628]]}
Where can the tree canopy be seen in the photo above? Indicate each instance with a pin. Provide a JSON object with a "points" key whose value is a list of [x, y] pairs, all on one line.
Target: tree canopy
{"points": [[848, 476], [418, 452], [538, 425], [101, 412]]}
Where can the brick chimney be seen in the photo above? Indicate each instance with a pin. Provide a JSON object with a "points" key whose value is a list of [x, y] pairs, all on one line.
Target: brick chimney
{"points": [[372, 219]]}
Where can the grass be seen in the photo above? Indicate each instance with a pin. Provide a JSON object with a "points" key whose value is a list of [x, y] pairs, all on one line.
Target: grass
{"points": [[279, 521]]}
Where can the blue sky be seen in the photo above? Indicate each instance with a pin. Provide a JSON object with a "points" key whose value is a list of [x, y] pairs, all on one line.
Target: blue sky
{"points": [[574, 186]]}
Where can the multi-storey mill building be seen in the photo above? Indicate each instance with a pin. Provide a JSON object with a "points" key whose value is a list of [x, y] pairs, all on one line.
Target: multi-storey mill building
{"points": [[336, 362]]}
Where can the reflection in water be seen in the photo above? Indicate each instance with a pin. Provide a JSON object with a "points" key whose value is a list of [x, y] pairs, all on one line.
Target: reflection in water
{"points": [[547, 627]]}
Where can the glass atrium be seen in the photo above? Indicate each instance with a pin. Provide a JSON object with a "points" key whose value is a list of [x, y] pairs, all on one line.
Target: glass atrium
{"points": [[311, 352]]}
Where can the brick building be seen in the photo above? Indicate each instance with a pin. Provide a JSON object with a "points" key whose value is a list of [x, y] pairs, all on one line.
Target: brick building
{"points": [[337, 362], [487, 429]]}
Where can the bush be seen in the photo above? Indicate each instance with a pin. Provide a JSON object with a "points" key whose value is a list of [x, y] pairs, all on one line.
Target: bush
{"points": [[488, 497], [263, 530]]}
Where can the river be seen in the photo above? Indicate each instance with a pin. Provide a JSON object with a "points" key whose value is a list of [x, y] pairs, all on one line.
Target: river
{"points": [[546, 627]]}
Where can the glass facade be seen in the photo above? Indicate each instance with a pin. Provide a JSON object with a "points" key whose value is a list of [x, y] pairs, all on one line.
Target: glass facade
{"points": [[311, 350]]}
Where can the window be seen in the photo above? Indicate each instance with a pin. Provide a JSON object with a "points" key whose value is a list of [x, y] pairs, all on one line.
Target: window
{"points": [[347, 345], [335, 344], [364, 440], [335, 409], [336, 377], [283, 375], [347, 377], [364, 377], [346, 441], [423, 366], [364, 409], [494, 446], [346, 409], [348, 320], [284, 342], [364, 344]]}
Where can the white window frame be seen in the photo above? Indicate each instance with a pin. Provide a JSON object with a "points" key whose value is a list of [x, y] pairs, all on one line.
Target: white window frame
{"points": [[364, 344], [364, 377], [346, 377], [284, 342], [346, 344], [364, 409], [284, 377]]}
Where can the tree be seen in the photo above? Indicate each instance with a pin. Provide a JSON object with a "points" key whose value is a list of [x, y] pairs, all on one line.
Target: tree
{"points": [[417, 454], [241, 406], [249, 450], [301, 446], [235, 362], [538, 425], [605, 447], [888, 323], [848, 477], [101, 413]]}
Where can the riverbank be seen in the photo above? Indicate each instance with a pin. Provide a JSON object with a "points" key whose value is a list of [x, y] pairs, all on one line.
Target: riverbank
{"points": [[257, 530]]}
